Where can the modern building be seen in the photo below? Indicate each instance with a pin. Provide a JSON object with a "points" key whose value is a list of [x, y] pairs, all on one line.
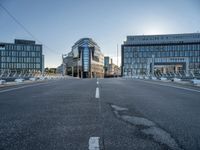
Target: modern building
{"points": [[85, 60], [110, 69], [107, 61], [161, 54], [21, 56]]}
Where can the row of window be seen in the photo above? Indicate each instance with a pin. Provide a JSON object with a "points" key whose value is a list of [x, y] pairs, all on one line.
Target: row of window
{"points": [[20, 66], [21, 53], [135, 60], [132, 38], [190, 47], [143, 60], [21, 59], [136, 65], [144, 66], [24, 47], [163, 54]]}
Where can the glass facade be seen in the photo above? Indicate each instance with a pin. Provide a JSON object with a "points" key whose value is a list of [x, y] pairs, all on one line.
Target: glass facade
{"points": [[22, 55], [88, 60], [138, 55]]}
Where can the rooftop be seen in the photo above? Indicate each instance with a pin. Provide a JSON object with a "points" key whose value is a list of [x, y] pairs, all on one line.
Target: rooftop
{"points": [[164, 38]]}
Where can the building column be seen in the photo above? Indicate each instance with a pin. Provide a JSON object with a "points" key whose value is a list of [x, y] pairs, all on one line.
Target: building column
{"points": [[152, 66], [42, 65], [72, 71], [164, 70], [176, 69], [187, 67], [78, 70]]}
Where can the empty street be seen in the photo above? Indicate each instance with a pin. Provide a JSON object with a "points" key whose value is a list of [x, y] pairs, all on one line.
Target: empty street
{"points": [[110, 114]]}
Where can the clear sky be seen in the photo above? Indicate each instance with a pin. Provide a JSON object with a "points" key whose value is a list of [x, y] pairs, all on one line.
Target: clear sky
{"points": [[60, 23]]}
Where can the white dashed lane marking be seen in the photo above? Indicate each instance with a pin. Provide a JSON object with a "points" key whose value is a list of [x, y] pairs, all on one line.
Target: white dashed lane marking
{"points": [[94, 143], [97, 95]]}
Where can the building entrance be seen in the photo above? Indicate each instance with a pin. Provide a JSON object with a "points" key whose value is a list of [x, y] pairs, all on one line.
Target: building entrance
{"points": [[175, 68]]}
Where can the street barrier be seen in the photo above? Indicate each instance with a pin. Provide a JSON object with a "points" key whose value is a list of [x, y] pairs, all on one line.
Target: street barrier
{"points": [[42, 78], [32, 79], [196, 82], [19, 80], [2, 82], [153, 78], [163, 79], [177, 80], [141, 77]]}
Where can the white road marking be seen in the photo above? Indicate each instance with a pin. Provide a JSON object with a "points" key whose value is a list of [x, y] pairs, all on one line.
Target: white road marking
{"points": [[97, 95], [94, 143], [182, 88], [21, 87], [97, 82]]}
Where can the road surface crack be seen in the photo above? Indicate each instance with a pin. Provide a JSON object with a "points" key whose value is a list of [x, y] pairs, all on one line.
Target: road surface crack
{"points": [[147, 127]]}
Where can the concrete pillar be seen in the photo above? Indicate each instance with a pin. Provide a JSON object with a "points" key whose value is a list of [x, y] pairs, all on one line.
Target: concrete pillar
{"points": [[152, 66], [187, 67], [42, 65], [164, 70], [176, 68], [72, 71], [78, 71]]}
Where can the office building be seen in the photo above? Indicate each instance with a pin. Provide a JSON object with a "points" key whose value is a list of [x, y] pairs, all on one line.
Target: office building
{"points": [[85, 60], [107, 61], [161, 54], [110, 69], [21, 56]]}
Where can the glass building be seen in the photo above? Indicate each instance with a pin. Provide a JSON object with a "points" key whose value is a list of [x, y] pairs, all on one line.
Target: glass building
{"points": [[161, 54], [21, 56], [85, 60]]}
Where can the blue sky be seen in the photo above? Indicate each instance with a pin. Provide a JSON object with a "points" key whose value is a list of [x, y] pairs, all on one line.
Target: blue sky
{"points": [[60, 23]]}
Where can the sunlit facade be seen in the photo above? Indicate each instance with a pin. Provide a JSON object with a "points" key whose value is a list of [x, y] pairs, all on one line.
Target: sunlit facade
{"points": [[85, 60], [173, 53]]}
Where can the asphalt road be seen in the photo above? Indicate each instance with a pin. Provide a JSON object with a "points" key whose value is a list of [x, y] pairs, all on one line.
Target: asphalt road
{"points": [[128, 115]]}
